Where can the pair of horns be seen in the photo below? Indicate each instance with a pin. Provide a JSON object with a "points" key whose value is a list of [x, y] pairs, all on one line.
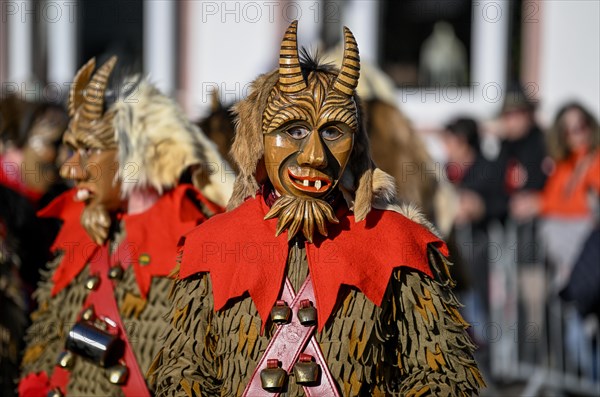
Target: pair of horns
{"points": [[290, 73], [89, 94]]}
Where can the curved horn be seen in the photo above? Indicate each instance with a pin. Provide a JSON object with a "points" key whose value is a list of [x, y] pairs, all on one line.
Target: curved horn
{"points": [[94, 92], [81, 79], [347, 79], [290, 74], [215, 101]]}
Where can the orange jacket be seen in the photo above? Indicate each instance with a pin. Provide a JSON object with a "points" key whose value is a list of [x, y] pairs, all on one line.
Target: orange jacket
{"points": [[566, 193]]}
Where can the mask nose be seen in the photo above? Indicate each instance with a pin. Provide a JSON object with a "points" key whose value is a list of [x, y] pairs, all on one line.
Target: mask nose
{"points": [[313, 153], [72, 169]]}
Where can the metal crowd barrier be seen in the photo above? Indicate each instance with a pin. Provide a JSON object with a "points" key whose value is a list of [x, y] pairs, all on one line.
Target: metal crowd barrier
{"points": [[530, 342]]}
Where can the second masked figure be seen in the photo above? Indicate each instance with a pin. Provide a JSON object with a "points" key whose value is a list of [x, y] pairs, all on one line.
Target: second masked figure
{"points": [[102, 300]]}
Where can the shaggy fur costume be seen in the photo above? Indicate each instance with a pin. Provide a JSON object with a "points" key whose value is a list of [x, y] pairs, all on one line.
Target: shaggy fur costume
{"points": [[56, 315], [156, 144], [414, 344]]}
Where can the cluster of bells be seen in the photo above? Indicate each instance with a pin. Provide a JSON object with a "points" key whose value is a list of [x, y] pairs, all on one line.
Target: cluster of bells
{"points": [[90, 339], [306, 371]]}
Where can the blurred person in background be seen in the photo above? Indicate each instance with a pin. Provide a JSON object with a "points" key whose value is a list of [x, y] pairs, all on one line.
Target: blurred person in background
{"points": [[568, 205], [522, 159], [30, 134], [570, 196], [478, 200], [472, 173], [583, 293], [522, 150], [30, 147], [17, 219], [30, 154]]}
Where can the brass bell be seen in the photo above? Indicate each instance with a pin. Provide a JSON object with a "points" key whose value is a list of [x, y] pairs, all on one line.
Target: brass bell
{"points": [[307, 314], [273, 377], [281, 312], [117, 374], [92, 282], [89, 314], [115, 272], [55, 393], [66, 359], [306, 371]]}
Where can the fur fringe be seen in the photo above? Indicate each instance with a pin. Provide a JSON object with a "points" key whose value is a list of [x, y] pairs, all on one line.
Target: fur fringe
{"points": [[248, 147], [157, 143]]}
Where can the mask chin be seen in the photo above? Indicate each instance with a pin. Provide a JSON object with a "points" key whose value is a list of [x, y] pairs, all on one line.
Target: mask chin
{"points": [[301, 215]]}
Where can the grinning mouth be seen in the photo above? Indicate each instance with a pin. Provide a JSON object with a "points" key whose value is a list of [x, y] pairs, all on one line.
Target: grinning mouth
{"points": [[310, 184]]}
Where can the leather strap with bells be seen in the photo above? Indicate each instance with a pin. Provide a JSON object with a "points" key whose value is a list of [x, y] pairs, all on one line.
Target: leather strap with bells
{"points": [[101, 300], [293, 344]]}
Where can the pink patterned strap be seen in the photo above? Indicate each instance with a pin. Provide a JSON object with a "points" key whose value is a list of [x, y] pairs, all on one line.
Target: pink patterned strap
{"points": [[288, 342], [105, 304]]}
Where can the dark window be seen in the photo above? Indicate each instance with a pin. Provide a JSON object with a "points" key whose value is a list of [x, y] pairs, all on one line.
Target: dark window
{"points": [[426, 42], [517, 14], [110, 27]]}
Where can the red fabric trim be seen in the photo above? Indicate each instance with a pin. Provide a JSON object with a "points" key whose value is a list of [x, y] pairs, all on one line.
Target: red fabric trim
{"points": [[34, 385], [60, 379], [154, 232], [240, 251], [105, 305], [77, 246]]}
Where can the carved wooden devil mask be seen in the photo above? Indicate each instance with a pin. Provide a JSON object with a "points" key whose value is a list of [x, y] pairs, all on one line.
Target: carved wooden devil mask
{"points": [[309, 127], [93, 164]]}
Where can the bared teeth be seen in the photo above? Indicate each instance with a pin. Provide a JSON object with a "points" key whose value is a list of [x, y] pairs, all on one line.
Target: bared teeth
{"points": [[317, 184], [83, 194]]}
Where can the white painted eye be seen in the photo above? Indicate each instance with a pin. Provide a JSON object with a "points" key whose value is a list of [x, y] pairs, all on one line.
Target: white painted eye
{"points": [[88, 151], [331, 133], [297, 132]]}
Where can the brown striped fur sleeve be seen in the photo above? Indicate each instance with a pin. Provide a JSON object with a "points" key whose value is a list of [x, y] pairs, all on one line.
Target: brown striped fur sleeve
{"points": [[180, 369], [44, 339], [436, 354]]}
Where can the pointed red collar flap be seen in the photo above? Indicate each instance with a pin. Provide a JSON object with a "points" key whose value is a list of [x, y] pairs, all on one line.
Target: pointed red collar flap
{"points": [[151, 236], [77, 246], [240, 251]]}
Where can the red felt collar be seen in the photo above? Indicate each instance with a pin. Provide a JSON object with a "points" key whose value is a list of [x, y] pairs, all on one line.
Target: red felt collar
{"points": [[240, 251], [151, 236]]}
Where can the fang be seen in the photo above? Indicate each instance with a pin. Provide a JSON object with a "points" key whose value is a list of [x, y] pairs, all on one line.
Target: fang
{"points": [[306, 182], [82, 195], [318, 185]]}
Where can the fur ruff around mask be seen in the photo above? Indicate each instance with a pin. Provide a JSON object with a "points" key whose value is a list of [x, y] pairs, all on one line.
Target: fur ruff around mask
{"points": [[157, 143]]}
